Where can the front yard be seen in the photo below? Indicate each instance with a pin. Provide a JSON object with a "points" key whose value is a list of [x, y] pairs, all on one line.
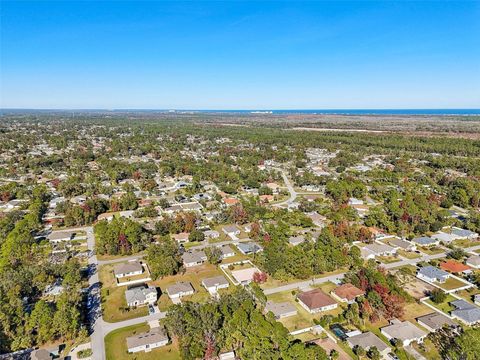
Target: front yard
{"points": [[444, 306], [451, 284]]}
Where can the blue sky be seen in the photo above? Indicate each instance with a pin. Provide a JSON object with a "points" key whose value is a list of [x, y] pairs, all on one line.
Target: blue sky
{"points": [[240, 55]]}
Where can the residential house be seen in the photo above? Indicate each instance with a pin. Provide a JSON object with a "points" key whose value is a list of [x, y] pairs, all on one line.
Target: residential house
{"points": [[296, 240], [370, 251], [432, 274], [231, 230], [141, 295], [444, 237], [130, 268], [473, 261], [464, 234], [347, 293], [465, 312], [281, 310], [317, 219], [404, 331], [244, 276], [316, 300], [476, 299], [181, 237], [402, 244], [425, 241], [146, 341], [435, 321], [368, 340], [247, 248], [215, 283], [193, 258], [59, 236], [455, 267], [179, 289], [211, 234], [227, 251], [227, 356]]}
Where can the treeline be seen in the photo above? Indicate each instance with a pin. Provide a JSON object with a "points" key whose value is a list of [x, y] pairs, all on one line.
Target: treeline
{"points": [[234, 322]]}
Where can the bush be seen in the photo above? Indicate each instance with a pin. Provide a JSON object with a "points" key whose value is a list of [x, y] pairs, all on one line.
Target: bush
{"points": [[82, 354]]}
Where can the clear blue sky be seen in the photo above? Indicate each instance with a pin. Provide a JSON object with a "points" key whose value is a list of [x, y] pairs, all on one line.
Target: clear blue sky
{"points": [[239, 55]]}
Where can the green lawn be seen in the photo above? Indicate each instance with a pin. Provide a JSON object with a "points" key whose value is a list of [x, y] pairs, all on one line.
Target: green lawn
{"points": [[451, 284], [116, 346], [432, 250], [427, 349], [114, 304], [444, 306], [388, 259], [408, 254], [272, 283], [414, 310], [465, 243]]}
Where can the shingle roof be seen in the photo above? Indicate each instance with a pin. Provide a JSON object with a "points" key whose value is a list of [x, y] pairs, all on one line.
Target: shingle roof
{"points": [[281, 308], [215, 281], [348, 291], [404, 331], [179, 287], [436, 321], [366, 341], [315, 299], [424, 240], [432, 272], [129, 267], [152, 336]]}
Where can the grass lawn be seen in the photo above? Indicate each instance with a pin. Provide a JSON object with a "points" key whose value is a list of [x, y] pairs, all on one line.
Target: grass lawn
{"points": [[113, 298], [469, 293], [308, 336], [194, 276], [272, 283], [427, 349], [444, 306], [451, 284], [116, 346], [408, 254], [414, 310], [432, 250], [303, 319], [388, 259], [465, 243], [114, 257], [326, 287]]}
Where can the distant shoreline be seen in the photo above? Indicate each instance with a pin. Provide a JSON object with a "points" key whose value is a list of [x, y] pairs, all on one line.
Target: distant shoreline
{"points": [[371, 112]]}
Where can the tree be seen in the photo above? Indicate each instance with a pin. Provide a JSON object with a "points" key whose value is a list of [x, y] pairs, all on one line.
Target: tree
{"points": [[358, 350], [214, 255], [196, 235], [163, 258], [41, 321], [438, 296], [373, 353], [466, 346], [259, 277]]}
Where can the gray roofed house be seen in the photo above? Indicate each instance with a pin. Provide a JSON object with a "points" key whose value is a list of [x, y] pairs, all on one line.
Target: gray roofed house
{"points": [[141, 295], [296, 240], [215, 283], [404, 331], [147, 341], [249, 248], [193, 258], [231, 230], [180, 289], [130, 268], [432, 274], [473, 261], [227, 251], [445, 237], [435, 321], [281, 310], [466, 312], [463, 233], [211, 234], [402, 244], [369, 251], [57, 236], [368, 340], [425, 241]]}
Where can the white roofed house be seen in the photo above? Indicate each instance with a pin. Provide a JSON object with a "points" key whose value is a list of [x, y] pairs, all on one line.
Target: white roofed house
{"points": [[473, 261], [425, 241], [130, 268], [231, 230], [466, 312], [445, 237], [59, 236], [402, 244], [147, 341], [211, 234], [464, 234], [247, 248], [141, 295], [181, 237], [215, 283]]}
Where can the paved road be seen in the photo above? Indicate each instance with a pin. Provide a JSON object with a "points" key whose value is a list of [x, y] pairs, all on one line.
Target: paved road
{"points": [[304, 284], [291, 190]]}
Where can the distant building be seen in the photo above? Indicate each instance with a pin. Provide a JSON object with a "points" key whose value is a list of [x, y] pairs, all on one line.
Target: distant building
{"points": [[347, 293]]}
